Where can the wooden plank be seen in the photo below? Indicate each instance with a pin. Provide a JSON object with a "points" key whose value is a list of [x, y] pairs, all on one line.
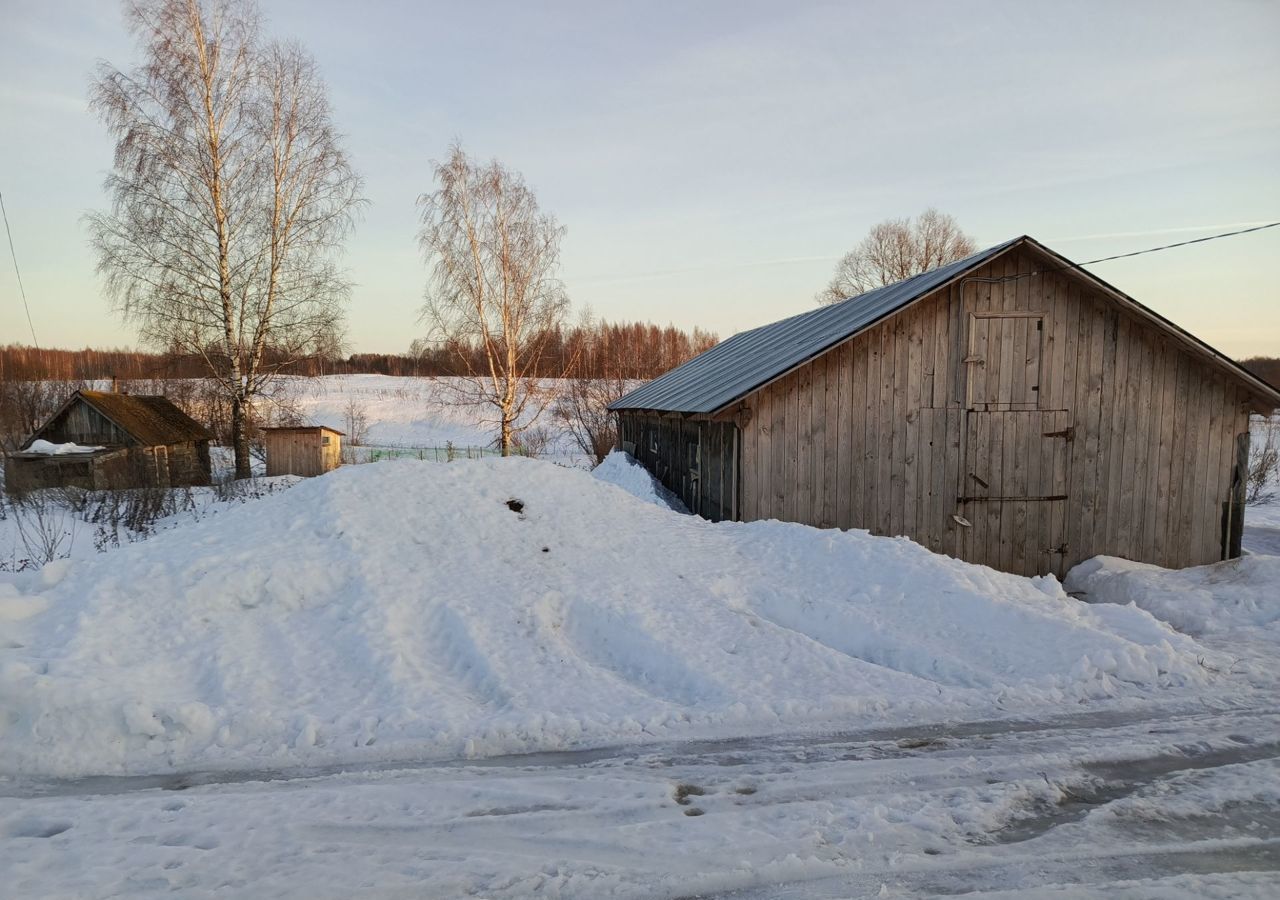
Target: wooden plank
{"points": [[763, 419], [909, 422], [810, 444], [1157, 524], [1148, 468], [1189, 507], [1093, 335], [942, 361], [1020, 394], [747, 483], [1211, 470], [885, 427], [791, 461], [829, 449], [953, 539], [1176, 540], [848, 438], [1116, 370], [901, 409], [869, 498], [928, 314], [942, 497]]}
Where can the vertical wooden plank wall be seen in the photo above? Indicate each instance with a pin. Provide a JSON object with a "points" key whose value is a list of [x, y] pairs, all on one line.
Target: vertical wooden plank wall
{"points": [[869, 434]]}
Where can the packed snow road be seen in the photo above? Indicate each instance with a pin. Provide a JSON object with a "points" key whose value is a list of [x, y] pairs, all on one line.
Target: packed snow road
{"points": [[1176, 803]]}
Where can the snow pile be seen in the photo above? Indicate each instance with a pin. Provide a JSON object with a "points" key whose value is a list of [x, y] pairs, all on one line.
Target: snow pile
{"points": [[46, 448], [1204, 600], [622, 469], [405, 609]]}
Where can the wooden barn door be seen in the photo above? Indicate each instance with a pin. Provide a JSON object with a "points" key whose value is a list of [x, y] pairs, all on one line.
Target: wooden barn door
{"points": [[1013, 478]]}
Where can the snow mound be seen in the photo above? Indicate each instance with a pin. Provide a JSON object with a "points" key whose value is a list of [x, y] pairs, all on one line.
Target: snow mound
{"points": [[1203, 600], [622, 469], [410, 610]]}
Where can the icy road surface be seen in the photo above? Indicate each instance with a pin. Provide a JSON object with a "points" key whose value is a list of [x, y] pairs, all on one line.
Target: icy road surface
{"points": [[1169, 804]]}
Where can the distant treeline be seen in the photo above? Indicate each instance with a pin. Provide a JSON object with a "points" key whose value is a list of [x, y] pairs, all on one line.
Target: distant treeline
{"points": [[1265, 367], [632, 350]]}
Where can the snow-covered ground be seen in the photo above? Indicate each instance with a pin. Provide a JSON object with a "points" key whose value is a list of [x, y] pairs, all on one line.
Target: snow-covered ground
{"points": [[509, 678], [416, 413], [409, 610]]}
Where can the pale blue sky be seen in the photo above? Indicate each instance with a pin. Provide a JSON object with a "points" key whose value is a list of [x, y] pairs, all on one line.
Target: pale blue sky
{"points": [[712, 160]]}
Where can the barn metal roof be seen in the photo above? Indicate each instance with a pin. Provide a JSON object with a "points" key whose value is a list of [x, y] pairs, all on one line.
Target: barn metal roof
{"points": [[749, 359]]}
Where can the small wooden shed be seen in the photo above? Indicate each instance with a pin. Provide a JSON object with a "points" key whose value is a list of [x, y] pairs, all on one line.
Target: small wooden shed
{"points": [[302, 449], [133, 441], [1009, 409]]}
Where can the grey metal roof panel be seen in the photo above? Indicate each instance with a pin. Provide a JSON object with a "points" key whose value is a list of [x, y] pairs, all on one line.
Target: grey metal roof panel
{"points": [[734, 368]]}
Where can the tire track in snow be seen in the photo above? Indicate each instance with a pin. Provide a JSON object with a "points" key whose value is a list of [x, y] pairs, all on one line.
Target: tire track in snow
{"points": [[451, 646], [625, 650]]}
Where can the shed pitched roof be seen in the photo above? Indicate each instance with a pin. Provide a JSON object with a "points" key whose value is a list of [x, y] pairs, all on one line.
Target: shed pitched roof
{"points": [[150, 420], [734, 368]]}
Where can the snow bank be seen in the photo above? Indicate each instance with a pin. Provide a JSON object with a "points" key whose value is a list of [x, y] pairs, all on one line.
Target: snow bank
{"points": [[623, 470], [1204, 600], [405, 609], [49, 449]]}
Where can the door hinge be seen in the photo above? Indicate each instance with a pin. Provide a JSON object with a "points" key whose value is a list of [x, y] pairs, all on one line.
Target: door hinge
{"points": [[1067, 434]]}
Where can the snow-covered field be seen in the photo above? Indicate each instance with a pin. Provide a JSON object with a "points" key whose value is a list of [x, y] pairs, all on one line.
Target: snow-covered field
{"points": [[417, 413], [512, 678]]}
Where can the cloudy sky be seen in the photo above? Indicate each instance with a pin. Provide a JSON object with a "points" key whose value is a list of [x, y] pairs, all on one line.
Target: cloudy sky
{"points": [[712, 160]]}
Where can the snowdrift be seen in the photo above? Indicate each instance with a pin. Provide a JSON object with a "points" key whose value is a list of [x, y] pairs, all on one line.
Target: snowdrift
{"points": [[1217, 599], [411, 610], [624, 471]]}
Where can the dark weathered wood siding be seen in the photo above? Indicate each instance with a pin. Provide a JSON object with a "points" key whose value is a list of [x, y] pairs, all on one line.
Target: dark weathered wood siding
{"points": [[1025, 424], [696, 459], [81, 424]]}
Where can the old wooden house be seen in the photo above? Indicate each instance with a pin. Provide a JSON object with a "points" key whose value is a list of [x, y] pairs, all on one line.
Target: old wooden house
{"points": [[1009, 409], [302, 449], [124, 441]]}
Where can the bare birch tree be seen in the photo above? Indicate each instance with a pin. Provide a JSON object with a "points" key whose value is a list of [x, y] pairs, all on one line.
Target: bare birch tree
{"points": [[897, 249], [493, 256], [230, 197]]}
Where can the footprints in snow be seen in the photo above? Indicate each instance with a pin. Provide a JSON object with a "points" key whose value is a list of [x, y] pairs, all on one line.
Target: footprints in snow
{"points": [[37, 828], [683, 792]]}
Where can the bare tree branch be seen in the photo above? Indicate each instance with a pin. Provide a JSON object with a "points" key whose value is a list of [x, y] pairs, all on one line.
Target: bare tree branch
{"points": [[895, 250]]}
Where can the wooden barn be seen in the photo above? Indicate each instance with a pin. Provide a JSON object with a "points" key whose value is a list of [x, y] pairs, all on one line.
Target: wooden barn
{"points": [[136, 441], [1009, 409], [302, 449]]}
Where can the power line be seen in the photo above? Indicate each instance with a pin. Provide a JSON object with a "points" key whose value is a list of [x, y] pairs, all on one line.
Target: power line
{"points": [[1200, 240], [22, 290], [1000, 279]]}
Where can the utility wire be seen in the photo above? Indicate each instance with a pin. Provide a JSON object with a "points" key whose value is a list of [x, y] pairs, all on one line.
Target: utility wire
{"points": [[999, 279], [22, 290], [1200, 240]]}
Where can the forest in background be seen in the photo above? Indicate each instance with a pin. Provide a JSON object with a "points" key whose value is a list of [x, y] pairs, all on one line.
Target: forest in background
{"points": [[34, 381], [630, 350]]}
